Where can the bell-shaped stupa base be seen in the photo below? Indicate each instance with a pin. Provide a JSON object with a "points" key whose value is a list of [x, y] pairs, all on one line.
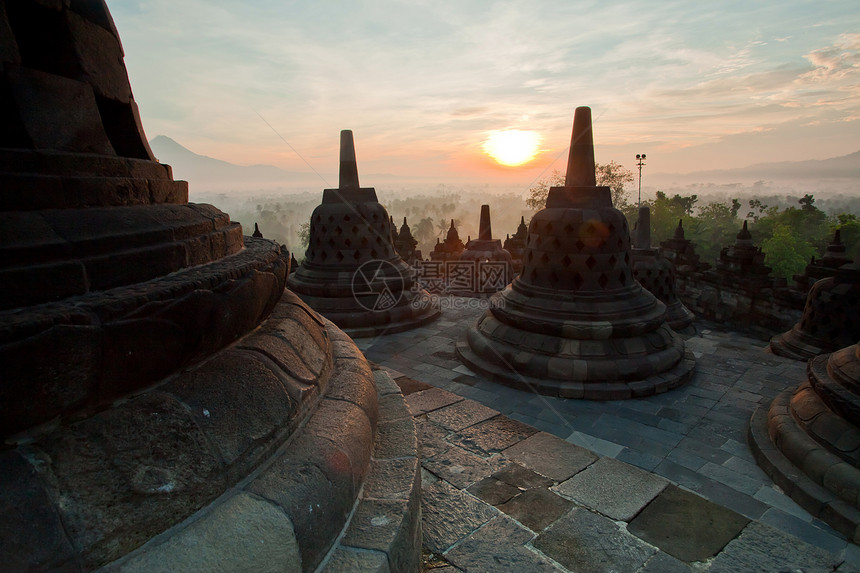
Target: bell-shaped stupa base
{"points": [[808, 440], [352, 273], [829, 318], [575, 323]]}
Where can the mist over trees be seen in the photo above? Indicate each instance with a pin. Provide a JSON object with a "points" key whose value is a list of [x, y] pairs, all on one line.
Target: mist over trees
{"points": [[789, 229]]}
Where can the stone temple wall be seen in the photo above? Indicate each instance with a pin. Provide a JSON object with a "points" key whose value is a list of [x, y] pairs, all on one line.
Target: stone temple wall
{"points": [[758, 312]]}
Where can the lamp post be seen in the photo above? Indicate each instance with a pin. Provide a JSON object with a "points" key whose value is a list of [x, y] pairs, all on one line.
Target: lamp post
{"points": [[640, 161]]}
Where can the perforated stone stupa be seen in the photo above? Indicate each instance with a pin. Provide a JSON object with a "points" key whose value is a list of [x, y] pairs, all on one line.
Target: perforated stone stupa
{"points": [[834, 257], [164, 403], [451, 248], [575, 323], [657, 275], [352, 273], [831, 317], [808, 440]]}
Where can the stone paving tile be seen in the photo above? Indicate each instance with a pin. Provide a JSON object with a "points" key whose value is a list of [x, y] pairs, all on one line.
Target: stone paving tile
{"points": [[639, 459], [522, 477], [430, 400], [709, 415], [806, 531], [461, 415], [482, 551], [431, 438], [493, 491], [492, 436], [597, 487], [686, 458], [763, 548], [686, 526], [597, 445], [536, 508], [733, 479], [449, 515], [664, 563], [773, 497], [462, 468], [730, 498], [584, 541], [550, 456]]}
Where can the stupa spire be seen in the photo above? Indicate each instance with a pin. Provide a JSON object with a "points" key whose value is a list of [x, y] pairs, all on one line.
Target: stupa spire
{"points": [[486, 227], [580, 160], [348, 164]]}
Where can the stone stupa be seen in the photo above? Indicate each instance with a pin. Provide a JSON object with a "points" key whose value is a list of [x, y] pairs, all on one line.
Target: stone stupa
{"points": [[352, 273], [485, 249], [808, 440], [451, 248], [575, 323], [164, 403], [657, 275], [830, 317]]}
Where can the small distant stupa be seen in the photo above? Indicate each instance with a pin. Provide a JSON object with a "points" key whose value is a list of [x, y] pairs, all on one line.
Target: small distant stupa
{"points": [[352, 273]]}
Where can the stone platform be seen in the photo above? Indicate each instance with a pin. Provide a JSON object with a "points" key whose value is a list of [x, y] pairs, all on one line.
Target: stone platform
{"points": [[682, 457]]}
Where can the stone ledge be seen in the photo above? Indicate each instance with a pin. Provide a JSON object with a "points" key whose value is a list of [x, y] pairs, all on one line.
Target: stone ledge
{"points": [[126, 476], [387, 519], [574, 386], [813, 497], [89, 350]]}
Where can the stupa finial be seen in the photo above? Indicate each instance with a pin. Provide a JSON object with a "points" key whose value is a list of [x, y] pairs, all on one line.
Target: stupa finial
{"points": [[580, 160], [486, 229], [348, 164]]}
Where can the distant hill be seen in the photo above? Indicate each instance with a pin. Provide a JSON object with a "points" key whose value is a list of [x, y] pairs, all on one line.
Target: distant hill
{"points": [[214, 174], [845, 167]]}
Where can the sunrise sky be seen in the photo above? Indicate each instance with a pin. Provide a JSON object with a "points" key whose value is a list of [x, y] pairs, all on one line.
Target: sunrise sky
{"points": [[423, 83]]}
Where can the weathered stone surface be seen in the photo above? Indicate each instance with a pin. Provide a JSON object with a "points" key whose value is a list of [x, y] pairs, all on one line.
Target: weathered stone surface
{"points": [[244, 533], [237, 401], [665, 563], [482, 551], [428, 400], [687, 526], [346, 560], [536, 508], [461, 468], [30, 520], [492, 436], [493, 491], [347, 426], [550, 456], [69, 378], [450, 515], [396, 439], [461, 415], [598, 487], [314, 486], [431, 438], [391, 479], [522, 477], [585, 541], [128, 473], [761, 548]]}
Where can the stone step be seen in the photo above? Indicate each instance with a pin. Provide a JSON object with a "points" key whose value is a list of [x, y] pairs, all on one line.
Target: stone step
{"points": [[384, 531]]}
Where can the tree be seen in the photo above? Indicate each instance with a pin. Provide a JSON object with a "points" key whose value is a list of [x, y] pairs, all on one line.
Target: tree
{"points": [[612, 175], [785, 252], [305, 234]]}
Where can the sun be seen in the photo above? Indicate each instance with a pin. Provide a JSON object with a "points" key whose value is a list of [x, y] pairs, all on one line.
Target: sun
{"points": [[512, 147]]}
